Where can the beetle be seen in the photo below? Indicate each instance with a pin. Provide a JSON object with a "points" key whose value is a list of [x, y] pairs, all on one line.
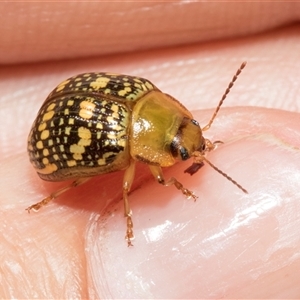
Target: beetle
{"points": [[96, 123]]}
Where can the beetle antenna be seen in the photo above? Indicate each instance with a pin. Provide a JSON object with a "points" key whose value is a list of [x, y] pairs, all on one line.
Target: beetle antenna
{"points": [[224, 174], [234, 78]]}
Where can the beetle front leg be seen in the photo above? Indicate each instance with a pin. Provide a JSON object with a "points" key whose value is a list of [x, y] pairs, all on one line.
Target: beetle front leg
{"points": [[158, 175], [127, 181]]}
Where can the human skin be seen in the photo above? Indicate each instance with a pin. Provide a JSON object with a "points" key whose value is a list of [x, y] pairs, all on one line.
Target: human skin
{"points": [[227, 244]]}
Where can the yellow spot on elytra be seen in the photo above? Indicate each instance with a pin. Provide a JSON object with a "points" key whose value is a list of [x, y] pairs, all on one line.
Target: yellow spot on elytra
{"points": [[71, 163], [45, 152], [45, 134], [68, 130], [75, 148], [84, 142], [112, 74], [39, 145], [115, 108], [51, 106], [148, 85], [45, 161], [50, 168], [77, 156], [99, 83], [138, 86], [133, 96], [111, 136], [66, 111], [86, 109], [42, 126], [56, 157], [101, 162], [99, 126], [70, 102], [48, 116], [108, 154], [122, 143], [117, 127], [61, 122], [50, 142], [71, 121], [84, 133], [125, 91], [62, 85], [115, 115], [111, 120]]}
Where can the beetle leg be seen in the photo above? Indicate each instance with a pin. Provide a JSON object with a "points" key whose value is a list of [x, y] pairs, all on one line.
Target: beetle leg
{"points": [[54, 195], [158, 175], [127, 181]]}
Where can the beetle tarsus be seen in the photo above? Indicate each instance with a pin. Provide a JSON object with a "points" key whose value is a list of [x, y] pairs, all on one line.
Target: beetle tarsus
{"points": [[38, 205], [129, 232], [189, 194]]}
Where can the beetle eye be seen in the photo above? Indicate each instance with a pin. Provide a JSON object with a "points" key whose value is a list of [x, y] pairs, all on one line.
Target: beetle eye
{"points": [[184, 153], [195, 122]]}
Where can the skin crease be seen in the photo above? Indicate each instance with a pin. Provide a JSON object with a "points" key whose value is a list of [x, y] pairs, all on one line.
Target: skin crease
{"points": [[226, 244]]}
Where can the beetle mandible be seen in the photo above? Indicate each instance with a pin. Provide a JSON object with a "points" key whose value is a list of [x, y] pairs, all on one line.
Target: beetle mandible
{"points": [[96, 123]]}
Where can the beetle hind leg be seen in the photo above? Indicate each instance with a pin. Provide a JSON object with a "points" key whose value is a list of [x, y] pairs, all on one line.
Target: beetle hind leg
{"points": [[127, 181], [54, 195], [128, 213], [158, 175]]}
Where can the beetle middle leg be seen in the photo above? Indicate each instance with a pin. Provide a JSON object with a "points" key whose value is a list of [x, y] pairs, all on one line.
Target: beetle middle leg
{"points": [[54, 195], [158, 175]]}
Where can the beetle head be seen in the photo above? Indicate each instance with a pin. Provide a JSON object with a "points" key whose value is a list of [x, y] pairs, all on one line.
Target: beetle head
{"points": [[187, 140]]}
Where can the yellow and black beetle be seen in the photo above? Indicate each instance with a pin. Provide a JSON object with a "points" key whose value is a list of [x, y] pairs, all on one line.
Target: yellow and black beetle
{"points": [[96, 123]]}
